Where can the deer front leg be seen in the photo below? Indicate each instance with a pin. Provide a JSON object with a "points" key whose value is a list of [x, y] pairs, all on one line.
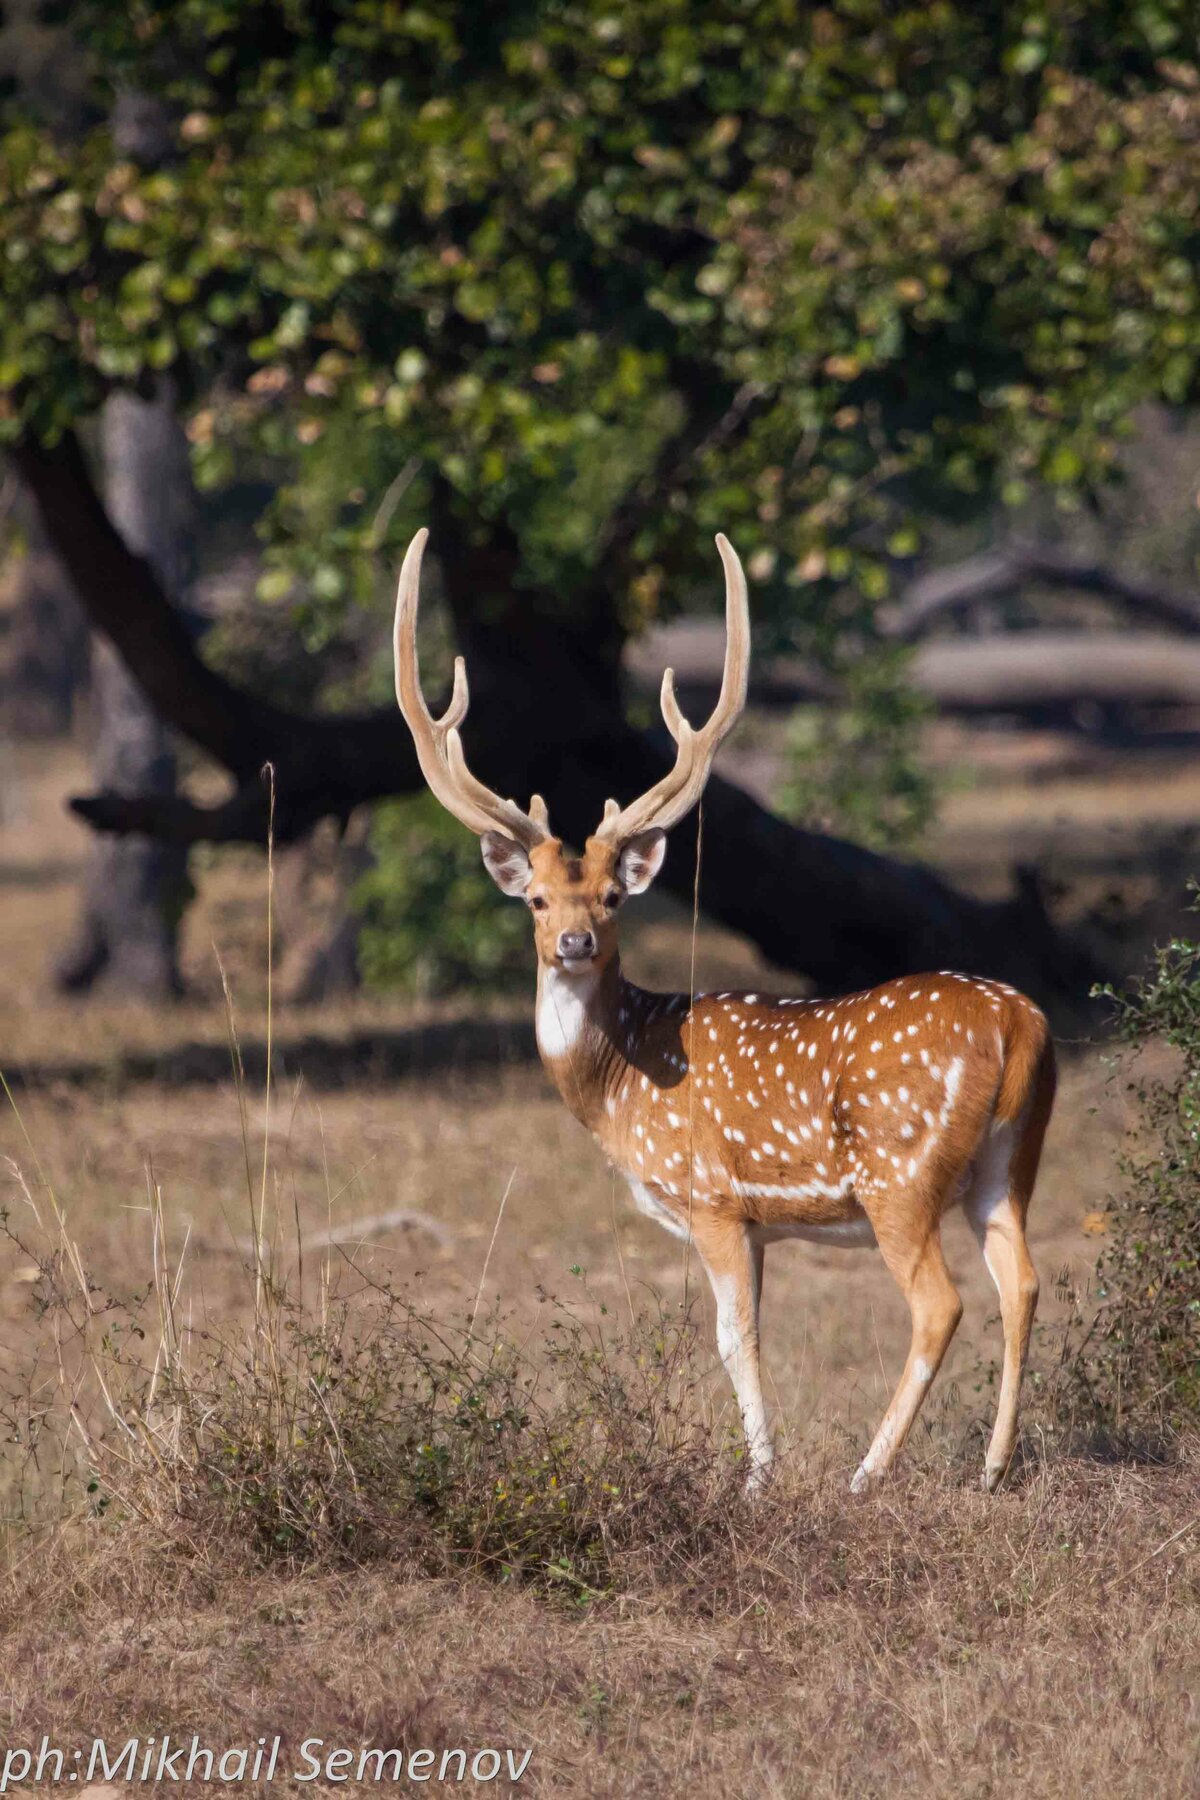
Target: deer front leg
{"points": [[733, 1264]]}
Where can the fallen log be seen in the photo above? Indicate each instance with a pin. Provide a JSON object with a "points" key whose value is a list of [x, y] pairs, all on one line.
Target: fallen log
{"points": [[1018, 672], [1056, 670]]}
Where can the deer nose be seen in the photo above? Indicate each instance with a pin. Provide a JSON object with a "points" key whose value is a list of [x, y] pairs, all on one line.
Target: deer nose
{"points": [[576, 946]]}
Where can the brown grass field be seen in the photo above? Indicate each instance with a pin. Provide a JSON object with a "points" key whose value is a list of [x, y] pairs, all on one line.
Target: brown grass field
{"points": [[923, 1639]]}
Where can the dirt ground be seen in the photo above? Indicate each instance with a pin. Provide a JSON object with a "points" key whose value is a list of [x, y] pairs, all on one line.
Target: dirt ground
{"points": [[923, 1640]]}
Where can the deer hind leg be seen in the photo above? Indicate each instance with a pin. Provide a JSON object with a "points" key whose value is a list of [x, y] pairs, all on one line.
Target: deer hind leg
{"points": [[915, 1259], [996, 1205], [733, 1264]]}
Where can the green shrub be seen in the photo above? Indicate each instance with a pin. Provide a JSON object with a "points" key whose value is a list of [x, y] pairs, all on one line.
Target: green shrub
{"points": [[381, 1431], [415, 1439], [431, 919], [855, 767], [1138, 1361]]}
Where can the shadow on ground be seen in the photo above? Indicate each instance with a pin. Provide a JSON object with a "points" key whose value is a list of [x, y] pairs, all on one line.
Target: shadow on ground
{"points": [[364, 1058]]}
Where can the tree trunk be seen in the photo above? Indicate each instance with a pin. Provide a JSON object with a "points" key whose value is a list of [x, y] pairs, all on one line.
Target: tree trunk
{"points": [[46, 653], [133, 888]]}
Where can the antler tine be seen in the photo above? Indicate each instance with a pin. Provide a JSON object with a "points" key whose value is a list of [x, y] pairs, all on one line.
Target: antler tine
{"points": [[675, 795], [676, 724], [460, 697], [437, 743]]}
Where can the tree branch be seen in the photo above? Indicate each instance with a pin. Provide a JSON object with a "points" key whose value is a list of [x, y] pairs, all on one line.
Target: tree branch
{"points": [[542, 717], [714, 417], [124, 600], [174, 820], [325, 766], [842, 914]]}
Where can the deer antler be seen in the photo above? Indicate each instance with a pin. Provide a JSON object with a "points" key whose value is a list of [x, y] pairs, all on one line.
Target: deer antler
{"points": [[438, 745], [675, 795]]}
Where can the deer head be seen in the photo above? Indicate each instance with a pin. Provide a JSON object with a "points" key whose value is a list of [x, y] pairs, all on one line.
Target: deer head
{"points": [[573, 900]]}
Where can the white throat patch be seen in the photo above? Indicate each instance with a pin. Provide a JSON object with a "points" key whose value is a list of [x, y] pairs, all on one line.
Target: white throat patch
{"points": [[562, 1010]]}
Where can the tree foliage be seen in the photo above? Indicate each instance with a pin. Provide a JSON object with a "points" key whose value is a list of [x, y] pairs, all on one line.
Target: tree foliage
{"points": [[620, 275]]}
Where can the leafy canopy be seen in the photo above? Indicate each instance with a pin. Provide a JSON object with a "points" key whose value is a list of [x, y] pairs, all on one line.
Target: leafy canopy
{"points": [[621, 274]]}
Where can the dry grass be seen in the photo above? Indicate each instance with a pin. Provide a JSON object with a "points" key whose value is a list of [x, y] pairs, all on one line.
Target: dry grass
{"points": [[924, 1639]]}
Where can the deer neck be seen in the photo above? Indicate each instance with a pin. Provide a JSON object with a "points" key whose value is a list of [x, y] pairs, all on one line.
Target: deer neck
{"points": [[580, 1034]]}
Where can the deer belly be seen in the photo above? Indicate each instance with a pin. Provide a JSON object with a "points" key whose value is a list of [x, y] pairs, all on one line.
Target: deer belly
{"points": [[850, 1234]]}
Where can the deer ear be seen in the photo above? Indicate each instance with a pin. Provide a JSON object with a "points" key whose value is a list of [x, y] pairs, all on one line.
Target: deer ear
{"points": [[640, 860], [506, 863]]}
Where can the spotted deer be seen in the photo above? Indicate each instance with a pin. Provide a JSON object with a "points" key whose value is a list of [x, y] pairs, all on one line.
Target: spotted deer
{"points": [[737, 1118]]}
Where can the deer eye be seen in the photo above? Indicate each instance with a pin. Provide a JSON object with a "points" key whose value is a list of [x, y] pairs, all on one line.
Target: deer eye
{"points": [[613, 899], [537, 902]]}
